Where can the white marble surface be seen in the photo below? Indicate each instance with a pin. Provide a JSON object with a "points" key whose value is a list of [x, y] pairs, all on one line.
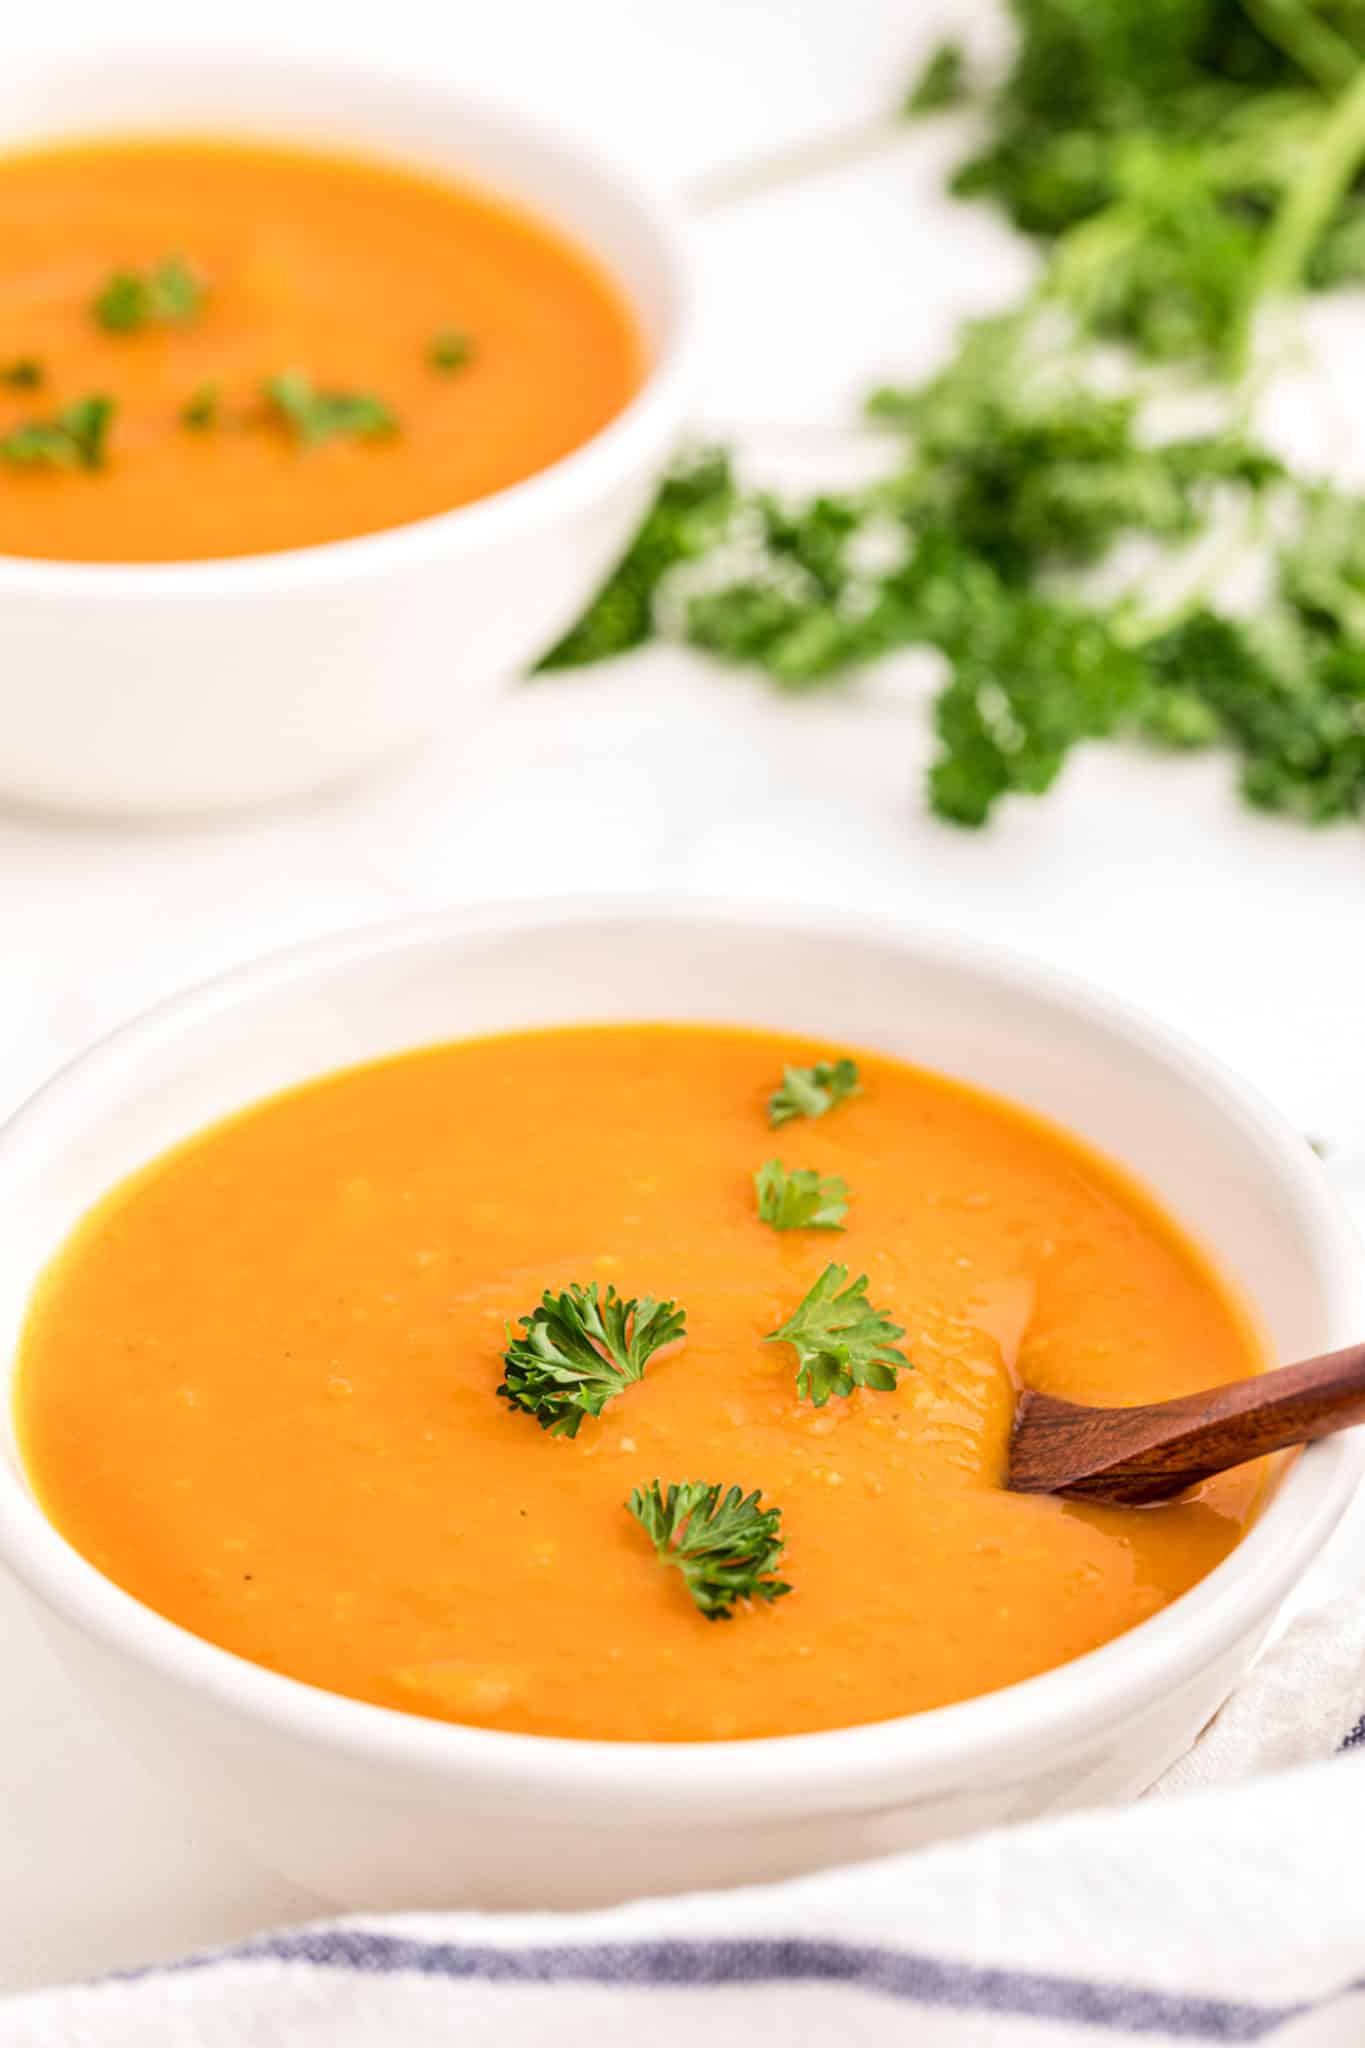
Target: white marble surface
{"points": [[661, 773]]}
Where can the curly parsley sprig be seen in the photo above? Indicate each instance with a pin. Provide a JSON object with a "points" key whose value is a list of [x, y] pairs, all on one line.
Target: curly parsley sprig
{"points": [[800, 1200], [75, 438], [577, 1351], [317, 416], [171, 295], [203, 408], [687, 519], [813, 1091], [725, 1544], [450, 349], [840, 1340]]}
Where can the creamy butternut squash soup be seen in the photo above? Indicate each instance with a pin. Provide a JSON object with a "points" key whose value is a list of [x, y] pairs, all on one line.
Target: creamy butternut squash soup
{"points": [[210, 349], [429, 1383]]}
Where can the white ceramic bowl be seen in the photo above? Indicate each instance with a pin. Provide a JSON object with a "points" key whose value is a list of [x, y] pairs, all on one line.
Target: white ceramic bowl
{"points": [[379, 1809], [176, 687]]}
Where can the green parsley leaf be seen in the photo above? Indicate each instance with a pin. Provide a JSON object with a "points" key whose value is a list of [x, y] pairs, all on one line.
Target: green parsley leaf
{"points": [[725, 1544], [24, 373], [801, 1200], [1034, 681], [840, 1341], [689, 514], [813, 1091], [201, 408], [1169, 156], [75, 439], [171, 296], [451, 349], [942, 83], [318, 416], [1013, 456], [121, 305], [1322, 568], [577, 1352], [1292, 706]]}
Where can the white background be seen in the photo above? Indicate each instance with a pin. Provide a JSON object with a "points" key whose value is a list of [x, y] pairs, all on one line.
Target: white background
{"points": [[659, 773]]}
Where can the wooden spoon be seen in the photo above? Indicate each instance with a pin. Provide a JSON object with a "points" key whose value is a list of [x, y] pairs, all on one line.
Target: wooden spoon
{"points": [[1133, 1456]]}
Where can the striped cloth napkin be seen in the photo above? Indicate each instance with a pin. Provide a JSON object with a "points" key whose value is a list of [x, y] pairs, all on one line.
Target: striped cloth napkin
{"points": [[1224, 1907]]}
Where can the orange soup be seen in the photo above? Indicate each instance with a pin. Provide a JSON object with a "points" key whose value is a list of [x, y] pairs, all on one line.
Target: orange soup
{"points": [[435, 345], [260, 1388]]}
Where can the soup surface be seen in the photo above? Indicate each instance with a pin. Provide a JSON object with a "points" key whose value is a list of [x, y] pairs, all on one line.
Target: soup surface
{"points": [[258, 1388], [494, 345]]}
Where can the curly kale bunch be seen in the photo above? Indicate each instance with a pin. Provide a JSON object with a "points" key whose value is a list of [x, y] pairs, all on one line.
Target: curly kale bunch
{"points": [[1184, 162], [1152, 144]]}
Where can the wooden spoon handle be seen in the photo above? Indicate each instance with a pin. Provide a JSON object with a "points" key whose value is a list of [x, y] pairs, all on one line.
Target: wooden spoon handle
{"points": [[1137, 1455]]}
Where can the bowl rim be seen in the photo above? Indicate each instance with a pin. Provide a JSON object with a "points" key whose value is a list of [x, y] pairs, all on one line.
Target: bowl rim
{"points": [[553, 493], [835, 1769]]}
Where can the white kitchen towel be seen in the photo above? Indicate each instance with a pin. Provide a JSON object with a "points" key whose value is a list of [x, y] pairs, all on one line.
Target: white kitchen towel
{"points": [[1233, 1912]]}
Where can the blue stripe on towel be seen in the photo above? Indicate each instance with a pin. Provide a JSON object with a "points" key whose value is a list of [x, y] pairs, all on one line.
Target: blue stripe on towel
{"points": [[1125, 2009], [1356, 1738]]}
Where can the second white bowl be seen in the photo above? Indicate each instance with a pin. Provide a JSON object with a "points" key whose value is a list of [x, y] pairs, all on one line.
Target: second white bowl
{"points": [[185, 686]]}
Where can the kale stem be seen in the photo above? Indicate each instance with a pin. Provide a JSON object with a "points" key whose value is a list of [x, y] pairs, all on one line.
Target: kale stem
{"points": [[1305, 211], [1319, 51], [1138, 628], [814, 157]]}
